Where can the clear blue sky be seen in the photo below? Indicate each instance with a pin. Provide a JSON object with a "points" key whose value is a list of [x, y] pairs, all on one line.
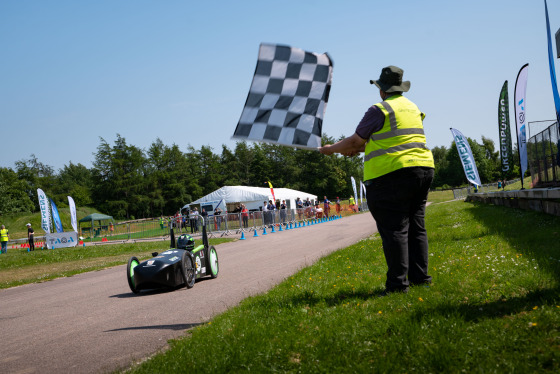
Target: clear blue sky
{"points": [[75, 71]]}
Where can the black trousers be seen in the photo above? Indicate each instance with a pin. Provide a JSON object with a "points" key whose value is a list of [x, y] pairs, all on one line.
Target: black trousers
{"points": [[397, 202]]}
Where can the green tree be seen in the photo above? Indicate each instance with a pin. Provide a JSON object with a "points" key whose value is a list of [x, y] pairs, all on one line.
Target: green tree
{"points": [[13, 193], [441, 163], [118, 175], [75, 181], [35, 175]]}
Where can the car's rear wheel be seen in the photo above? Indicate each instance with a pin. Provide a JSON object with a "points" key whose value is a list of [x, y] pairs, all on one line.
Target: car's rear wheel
{"points": [[188, 270], [132, 263], [213, 262]]}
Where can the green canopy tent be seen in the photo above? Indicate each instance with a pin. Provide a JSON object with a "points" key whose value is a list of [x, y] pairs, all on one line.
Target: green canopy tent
{"points": [[92, 218]]}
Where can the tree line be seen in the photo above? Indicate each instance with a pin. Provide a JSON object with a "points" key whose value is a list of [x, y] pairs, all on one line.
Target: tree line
{"points": [[129, 182]]}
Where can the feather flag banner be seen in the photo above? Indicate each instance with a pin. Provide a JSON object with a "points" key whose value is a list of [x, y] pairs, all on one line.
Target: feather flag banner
{"points": [[466, 156], [271, 191], [521, 117]]}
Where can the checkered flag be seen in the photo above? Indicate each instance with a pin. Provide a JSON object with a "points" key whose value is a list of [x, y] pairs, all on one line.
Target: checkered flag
{"points": [[288, 97]]}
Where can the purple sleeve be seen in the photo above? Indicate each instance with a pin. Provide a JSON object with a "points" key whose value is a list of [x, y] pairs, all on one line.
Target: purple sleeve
{"points": [[372, 122]]}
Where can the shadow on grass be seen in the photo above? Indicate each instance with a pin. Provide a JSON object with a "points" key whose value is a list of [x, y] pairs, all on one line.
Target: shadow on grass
{"points": [[307, 298], [530, 233], [491, 310]]}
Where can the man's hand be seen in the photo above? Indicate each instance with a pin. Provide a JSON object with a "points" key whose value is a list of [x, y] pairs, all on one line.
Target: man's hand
{"points": [[349, 147], [326, 149]]}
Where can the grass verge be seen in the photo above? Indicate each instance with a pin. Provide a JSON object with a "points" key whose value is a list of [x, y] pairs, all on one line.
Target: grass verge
{"points": [[494, 307], [19, 267]]}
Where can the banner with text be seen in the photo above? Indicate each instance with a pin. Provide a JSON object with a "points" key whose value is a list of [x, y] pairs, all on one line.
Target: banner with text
{"points": [[520, 117], [504, 132], [61, 239], [466, 156], [45, 211]]}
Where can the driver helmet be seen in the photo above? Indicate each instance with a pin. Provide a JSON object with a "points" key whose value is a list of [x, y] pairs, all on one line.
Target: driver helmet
{"points": [[185, 241]]}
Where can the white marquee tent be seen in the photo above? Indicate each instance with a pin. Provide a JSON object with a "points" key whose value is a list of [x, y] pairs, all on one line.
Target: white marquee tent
{"points": [[252, 197]]}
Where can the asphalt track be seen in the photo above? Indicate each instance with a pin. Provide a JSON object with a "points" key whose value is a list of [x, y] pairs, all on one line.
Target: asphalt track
{"points": [[93, 323]]}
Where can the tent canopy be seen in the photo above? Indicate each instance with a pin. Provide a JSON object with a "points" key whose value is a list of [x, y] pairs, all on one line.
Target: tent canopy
{"points": [[253, 197], [96, 217]]}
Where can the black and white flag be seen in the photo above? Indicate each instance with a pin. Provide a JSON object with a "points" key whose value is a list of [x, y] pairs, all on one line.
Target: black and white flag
{"points": [[288, 97]]}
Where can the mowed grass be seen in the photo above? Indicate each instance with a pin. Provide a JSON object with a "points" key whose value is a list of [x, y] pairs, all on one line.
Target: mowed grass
{"points": [[19, 267], [494, 307], [440, 196]]}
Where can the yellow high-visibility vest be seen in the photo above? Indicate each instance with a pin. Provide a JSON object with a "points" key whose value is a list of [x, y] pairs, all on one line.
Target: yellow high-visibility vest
{"points": [[400, 143], [4, 235]]}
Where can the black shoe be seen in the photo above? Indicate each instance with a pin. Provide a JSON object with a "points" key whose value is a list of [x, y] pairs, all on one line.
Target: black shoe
{"points": [[424, 283], [386, 292]]}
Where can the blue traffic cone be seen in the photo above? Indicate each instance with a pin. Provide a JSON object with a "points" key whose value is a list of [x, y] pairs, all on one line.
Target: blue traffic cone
{"points": [[256, 234], [264, 230], [280, 227], [272, 229], [242, 236]]}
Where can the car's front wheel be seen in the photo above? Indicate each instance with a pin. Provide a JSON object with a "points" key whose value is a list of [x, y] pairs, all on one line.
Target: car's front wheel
{"points": [[188, 270], [132, 263], [213, 262]]}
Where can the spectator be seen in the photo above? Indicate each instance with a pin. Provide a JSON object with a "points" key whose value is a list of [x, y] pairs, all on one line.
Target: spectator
{"points": [[30, 234], [4, 237], [352, 203], [178, 220], [271, 214], [299, 207], [318, 210], [264, 209], [308, 207], [218, 218], [283, 212], [337, 205], [326, 206], [245, 216], [193, 220]]}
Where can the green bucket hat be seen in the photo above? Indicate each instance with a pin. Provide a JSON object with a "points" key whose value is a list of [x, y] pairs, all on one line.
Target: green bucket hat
{"points": [[390, 80]]}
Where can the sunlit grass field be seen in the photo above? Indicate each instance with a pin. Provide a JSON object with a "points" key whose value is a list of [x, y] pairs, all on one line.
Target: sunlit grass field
{"points": [[494, 307]]}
